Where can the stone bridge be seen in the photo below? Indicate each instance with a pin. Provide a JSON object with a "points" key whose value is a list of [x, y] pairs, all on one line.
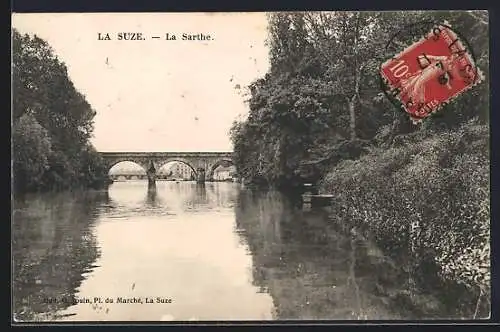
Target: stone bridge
{"points": [[203, 164]]}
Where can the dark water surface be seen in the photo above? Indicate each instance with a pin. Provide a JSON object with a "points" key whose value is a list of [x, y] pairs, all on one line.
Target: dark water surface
{"points": [[190, 252]]}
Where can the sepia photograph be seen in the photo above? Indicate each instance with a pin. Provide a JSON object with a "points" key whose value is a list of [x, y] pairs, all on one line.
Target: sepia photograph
{"points": [[250, 166]]}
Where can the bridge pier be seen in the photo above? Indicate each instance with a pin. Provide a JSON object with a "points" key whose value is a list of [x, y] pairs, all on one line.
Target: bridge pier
{"points": [[201, 175], [151, 173]]}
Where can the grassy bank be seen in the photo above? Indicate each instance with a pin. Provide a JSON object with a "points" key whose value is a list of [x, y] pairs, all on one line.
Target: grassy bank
{"points": [[427, 196]]}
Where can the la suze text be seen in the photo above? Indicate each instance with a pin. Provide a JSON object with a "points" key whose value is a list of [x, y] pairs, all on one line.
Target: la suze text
{"points": [[141, 36]]}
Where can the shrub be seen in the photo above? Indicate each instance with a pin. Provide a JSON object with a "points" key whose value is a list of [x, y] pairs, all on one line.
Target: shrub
{"points": [[427, 197]]}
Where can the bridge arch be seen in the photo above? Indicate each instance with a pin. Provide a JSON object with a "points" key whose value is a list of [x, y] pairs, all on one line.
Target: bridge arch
{"points": [[140, 163], [162, 163], [134, 170], [219, 162]]}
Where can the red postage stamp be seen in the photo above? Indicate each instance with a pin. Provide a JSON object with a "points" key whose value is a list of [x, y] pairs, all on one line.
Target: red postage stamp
{"points": [[430, 73]]}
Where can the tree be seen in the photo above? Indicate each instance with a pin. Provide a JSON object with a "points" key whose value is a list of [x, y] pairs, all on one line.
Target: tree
{"points": [[31, 148], [322, 101], [43, 92]]}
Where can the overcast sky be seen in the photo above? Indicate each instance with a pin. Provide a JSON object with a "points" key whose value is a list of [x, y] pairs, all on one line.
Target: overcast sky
{"points": [[158, 95]]}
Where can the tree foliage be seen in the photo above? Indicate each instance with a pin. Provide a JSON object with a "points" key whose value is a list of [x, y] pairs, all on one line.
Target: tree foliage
{"points": [[321, 101], [32, 146], [52, 122]]}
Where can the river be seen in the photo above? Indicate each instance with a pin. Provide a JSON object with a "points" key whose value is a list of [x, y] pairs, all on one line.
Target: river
{"points": [[195, 253]]}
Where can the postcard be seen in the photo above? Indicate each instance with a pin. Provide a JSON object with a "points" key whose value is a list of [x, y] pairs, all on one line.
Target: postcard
{"points": [[250, 166]]}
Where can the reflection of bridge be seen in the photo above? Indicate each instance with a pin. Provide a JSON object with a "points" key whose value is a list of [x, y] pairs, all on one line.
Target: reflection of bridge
{"points": [[203, 164], [128, 176]]}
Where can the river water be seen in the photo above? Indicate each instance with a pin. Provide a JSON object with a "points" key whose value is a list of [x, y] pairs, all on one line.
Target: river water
{"points": [[195, 253]]}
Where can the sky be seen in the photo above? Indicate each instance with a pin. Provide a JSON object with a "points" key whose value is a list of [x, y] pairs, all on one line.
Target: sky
{"points": [[158, 94]]}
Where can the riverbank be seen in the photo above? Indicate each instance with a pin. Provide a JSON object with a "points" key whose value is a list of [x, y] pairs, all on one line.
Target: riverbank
{"points": [[427, 196]]}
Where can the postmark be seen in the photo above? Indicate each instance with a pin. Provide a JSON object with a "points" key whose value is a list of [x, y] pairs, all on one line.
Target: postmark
{"points": [[430, 73]]}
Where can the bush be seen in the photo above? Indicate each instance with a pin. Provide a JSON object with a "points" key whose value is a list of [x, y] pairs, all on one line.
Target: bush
{"points": [[429, 198], [31, 146]]}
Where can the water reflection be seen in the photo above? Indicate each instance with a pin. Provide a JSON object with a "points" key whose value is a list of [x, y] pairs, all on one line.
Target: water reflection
{"points": [[218, 252], [151, 198], [54, 250], [310, 268], [174, 243]]}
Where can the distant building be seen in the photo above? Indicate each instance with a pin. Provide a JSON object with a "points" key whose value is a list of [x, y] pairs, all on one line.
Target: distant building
{"points": [[224, 173], [180, 171]]}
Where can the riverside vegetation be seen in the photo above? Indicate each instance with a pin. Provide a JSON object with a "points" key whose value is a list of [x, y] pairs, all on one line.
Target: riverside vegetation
{"points": [[319, 116], [52, 123]]}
